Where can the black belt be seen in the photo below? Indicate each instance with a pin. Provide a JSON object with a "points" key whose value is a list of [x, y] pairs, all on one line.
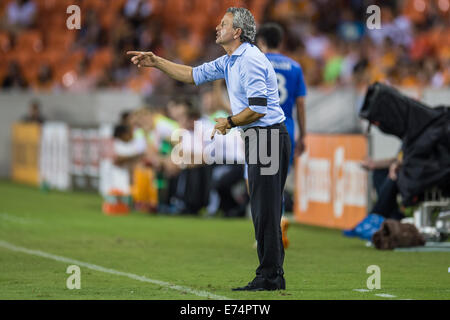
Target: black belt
{"points": [[274, 126]]}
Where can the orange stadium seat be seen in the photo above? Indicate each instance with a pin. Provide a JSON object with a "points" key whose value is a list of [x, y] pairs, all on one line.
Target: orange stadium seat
{"points": [[30, 72], [108, 14], [100, 61], [118, 5], [171, 12], [5, 42], [52, 56], [6, 61], [3, 5], [22, 57], [222, 8], [26, 60], [47, 10], [76, 56], [30, 40], [257, 8], [49, 22], [60, 5], [44, 5], [107, 19], [58, 21], [157, 6], [60, 39], [179, 13], [141, 80], [410, 11], [96, 5]]}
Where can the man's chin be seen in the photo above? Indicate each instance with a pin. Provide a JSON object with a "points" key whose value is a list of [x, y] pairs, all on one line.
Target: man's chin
{"points": [[221, 42]]}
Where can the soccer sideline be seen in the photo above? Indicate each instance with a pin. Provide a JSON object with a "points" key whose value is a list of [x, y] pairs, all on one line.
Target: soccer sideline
{"points": [[91, 266]]}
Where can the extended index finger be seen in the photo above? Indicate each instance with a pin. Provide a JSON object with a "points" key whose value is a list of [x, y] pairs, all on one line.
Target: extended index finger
{"points": [[134, 53], [213, 133]]}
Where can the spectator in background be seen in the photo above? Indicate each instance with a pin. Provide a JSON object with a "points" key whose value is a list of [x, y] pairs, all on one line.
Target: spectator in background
{"points": [[141, 123], [193, 186], [125, 118], [45, 78], [398, 29], [349, 63], [349, 28], [34, 113], [125, 158], [118, 72], [21, 14], [124, 150], [380, 170], [412, 30], [81, 80], [137, 11], [14, 78], [177, 110], [228, 172], [89, 37], [439, 73], [386, 206], [131, 119], [316, 43]]}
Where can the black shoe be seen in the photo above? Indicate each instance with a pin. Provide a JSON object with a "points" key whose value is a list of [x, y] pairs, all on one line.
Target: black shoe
{"points": [[261, 284], [277, 283], [249, 287]]}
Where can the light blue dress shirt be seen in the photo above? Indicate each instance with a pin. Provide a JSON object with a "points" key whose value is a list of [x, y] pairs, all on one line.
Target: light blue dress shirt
{"points": [[248, 75]]}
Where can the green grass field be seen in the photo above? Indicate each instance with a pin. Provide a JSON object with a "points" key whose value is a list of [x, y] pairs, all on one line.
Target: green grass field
{"points": [[208, 255]]}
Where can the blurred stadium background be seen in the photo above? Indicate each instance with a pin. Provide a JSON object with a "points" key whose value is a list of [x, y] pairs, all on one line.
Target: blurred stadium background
{"points": [[64, 93]]}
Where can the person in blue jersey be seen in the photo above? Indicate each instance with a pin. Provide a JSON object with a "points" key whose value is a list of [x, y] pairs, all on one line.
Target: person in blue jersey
{"points": [[291, 83], [292, 90]]}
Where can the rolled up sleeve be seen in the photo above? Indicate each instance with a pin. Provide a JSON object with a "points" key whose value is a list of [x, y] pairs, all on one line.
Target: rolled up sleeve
{"points": [[209, 71], [253, 78]]}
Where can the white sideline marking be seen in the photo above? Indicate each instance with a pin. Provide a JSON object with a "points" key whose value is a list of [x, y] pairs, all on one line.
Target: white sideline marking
{"points": [[385, 295], [13, 218], [42, 254]]}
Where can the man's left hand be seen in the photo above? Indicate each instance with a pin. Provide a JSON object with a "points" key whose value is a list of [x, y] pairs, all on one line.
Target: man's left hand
{"points": [[221, 126], [393, 170], [299, 147]]}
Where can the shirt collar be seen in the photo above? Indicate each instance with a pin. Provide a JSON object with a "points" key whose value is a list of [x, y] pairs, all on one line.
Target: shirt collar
{"points": [[241, 49]]}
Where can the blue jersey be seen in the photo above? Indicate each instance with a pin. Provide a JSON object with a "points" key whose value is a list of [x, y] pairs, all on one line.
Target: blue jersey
{"points": [[291, 83]]}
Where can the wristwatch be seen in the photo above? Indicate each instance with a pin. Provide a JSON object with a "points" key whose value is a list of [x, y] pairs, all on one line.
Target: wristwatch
{"points": [[231, 122]]}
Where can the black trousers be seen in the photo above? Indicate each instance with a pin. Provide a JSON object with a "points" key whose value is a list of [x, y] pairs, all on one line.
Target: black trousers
{"points": [[378, 178], [266, 194], [386, 204]]}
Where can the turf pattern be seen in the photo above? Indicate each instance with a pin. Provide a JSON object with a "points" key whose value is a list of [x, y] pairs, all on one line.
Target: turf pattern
{"points": [[212, 255]]}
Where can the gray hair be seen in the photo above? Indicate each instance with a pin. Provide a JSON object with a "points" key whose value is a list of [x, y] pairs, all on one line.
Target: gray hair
{"points": [[243, 19]]}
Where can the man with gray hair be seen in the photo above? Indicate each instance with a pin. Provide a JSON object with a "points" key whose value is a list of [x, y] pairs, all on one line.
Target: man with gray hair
{"points": [[253, 92]]}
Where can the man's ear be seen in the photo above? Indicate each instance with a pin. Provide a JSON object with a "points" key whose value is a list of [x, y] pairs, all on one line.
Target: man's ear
{"points": [[238, 33]]}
